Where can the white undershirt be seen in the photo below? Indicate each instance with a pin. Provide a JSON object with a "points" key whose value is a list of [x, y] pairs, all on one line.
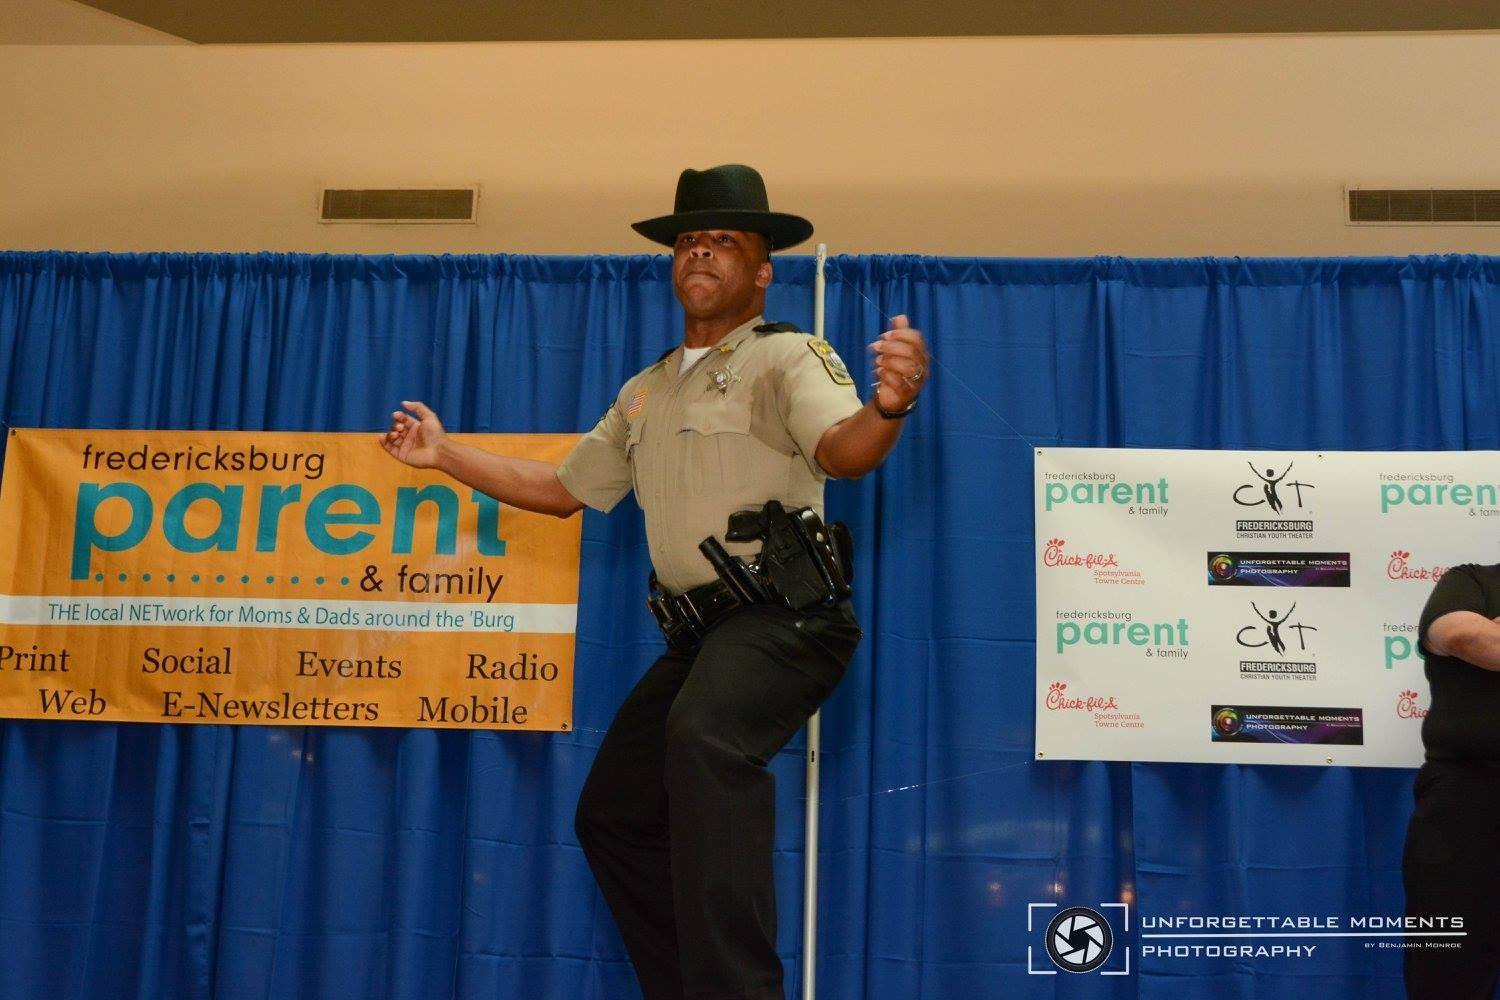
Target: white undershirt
{"points": [[690, 356]]}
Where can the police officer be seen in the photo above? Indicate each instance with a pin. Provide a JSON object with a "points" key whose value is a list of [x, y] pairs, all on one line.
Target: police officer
{"points": [[677, 816]]}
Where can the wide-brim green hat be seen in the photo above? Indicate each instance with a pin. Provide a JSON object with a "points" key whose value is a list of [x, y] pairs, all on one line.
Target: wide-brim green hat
{"points": [[731, 196]]}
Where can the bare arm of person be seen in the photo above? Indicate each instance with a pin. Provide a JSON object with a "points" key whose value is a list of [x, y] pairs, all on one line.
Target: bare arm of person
{"points": [[417, 438], [859, 443], [1467, 635]]}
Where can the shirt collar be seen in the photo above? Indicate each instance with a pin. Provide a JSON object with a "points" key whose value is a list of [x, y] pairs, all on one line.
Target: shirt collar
{"points": [[727, 345], [739, 335]]}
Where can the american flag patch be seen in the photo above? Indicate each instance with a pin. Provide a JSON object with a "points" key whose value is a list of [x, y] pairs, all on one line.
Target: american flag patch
{"points": [[637, 403]]}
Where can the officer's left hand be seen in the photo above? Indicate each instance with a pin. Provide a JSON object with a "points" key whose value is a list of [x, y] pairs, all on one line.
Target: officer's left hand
{"points": [[901, 365]]}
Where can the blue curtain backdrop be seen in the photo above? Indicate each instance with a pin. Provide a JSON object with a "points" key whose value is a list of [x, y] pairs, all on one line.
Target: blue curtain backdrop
{"points": [[256, 862]]}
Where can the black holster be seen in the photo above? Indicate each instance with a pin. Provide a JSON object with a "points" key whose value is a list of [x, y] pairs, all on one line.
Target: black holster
{"points": [[802, 564]]}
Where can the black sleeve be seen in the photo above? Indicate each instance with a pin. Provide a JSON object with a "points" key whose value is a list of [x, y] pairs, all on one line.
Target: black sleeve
{"points": [[1458, 590]]}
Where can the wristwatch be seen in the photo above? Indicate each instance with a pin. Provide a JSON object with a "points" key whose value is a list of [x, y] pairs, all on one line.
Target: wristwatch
{"points": [[888, 414]]}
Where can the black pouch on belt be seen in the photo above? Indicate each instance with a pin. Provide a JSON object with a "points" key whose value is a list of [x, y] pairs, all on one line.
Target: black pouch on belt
{"points": [[680, 631]]}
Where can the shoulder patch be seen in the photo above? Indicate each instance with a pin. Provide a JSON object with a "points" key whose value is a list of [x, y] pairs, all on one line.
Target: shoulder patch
{"points": [[831, 361], [779, 328], [636, 404]]}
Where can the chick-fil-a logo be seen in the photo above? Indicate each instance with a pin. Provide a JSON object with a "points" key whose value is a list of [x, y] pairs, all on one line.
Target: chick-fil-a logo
{"points": [[1406, 706], [1058, 700], [1400, 568], [1054, 556]]}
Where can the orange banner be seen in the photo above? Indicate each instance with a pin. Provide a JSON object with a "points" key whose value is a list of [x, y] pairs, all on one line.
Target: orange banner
{"points": [[240, 577]]}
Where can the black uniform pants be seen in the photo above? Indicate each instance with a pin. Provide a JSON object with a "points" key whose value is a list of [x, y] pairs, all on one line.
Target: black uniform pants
{"points": [[677, 817], [1451, 868]]}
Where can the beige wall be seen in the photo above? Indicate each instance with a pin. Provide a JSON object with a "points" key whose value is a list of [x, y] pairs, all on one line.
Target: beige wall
{"points": [[67, 22], [1036, 147]]}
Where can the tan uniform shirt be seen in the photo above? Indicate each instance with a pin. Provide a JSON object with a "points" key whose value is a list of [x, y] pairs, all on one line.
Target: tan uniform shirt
{"points": [[736, 429]]}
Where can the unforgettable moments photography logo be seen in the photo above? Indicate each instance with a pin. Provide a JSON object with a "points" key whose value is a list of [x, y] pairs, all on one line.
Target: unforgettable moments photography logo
{"points": [[1278, 569], [1077, 939], [1287, 724], [1100, 939]]}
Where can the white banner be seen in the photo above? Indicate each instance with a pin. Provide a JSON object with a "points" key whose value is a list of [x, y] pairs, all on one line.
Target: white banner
{"points": [[1246, 607]]}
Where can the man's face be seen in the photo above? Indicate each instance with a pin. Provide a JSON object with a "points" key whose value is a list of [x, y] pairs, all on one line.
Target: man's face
{"points": [[720, 273]]}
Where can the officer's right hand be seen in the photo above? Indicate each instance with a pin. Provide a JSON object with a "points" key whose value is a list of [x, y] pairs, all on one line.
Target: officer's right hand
{"points": [[415, 437]]}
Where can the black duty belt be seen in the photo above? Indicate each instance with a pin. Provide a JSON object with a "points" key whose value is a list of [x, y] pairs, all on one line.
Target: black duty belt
{"points": [[708, 603], [684, 618]]}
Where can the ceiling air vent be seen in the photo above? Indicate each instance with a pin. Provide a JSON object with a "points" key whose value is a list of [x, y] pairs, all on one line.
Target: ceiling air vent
{"points": [[412, 205], [1423, 207]]}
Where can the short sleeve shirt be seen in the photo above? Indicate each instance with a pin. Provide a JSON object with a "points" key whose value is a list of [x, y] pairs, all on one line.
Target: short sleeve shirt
{"points": [[739, 427], [1464, 721]]}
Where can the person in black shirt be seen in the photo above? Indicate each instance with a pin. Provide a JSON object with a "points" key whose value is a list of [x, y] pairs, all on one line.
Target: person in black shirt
{"points": [[1451, 866]]}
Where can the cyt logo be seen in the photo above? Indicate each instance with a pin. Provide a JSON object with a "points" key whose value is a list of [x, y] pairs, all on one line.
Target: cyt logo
{"points": [[1274, 623], [1269, 493]]}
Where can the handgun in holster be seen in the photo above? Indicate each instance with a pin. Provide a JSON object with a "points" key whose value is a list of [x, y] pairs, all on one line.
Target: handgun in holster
{"points": [[802, 563]]}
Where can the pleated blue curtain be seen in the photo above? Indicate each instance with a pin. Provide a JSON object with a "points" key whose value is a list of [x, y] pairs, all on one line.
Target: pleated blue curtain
{"points": [[255, 862]]}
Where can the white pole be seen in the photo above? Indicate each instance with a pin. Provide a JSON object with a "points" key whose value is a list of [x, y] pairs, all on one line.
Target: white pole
{"points": [[814, 727]]}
